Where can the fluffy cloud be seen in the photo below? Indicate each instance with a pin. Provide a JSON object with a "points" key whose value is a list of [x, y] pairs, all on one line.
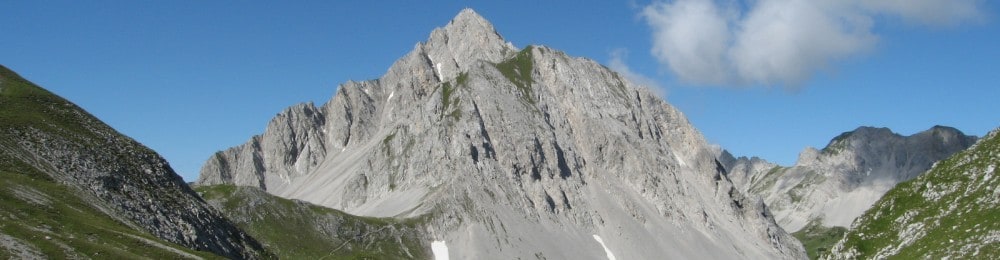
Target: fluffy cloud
{"points": [[779, 42]]}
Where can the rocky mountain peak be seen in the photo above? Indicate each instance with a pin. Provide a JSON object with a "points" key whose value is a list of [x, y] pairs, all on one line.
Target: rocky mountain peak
{"points": [[467, 39], [944, 133], [469, 18], [808, 156], [530, 147], [862, 134]]}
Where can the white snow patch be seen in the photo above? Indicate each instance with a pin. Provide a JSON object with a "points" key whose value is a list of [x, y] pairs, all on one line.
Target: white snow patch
{"points": [[679, 160], [437, 68], [390, 96], [606, 250], [440, 250]]}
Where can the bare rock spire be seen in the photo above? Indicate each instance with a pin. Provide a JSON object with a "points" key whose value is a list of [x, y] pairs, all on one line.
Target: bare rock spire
{"points": [[466, 39]]}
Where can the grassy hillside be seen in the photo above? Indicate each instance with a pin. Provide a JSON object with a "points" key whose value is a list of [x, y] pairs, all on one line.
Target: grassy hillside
{"points": [[41, 218], [73, 187], [298, 230], [818, 239]]}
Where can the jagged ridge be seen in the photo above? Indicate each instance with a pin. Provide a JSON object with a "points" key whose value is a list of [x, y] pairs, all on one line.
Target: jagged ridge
{"points": [[512, 153], [826, 189]]}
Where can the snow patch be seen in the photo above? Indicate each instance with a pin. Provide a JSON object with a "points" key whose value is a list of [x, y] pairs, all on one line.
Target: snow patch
{"points": [[440, 250], [606, 250], [437, 69], [679, 160], [390, 96]]}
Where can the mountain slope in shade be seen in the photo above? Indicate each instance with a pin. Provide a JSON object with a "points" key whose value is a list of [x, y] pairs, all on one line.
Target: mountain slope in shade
{"points": [[833, 186], [949, 212], [295, 229], [41, 219], [510, 153], [61, 159]]}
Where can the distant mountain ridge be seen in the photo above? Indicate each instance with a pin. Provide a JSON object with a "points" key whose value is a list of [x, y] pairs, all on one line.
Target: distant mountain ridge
{"points": [[827, 189], [836, 184], [948, 212], [510, 153]]}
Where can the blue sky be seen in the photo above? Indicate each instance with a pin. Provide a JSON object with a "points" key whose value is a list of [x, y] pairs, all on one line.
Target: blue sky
{"points": [[189, 78]]}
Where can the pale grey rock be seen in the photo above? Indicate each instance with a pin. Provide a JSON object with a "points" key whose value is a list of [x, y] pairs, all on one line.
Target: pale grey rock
{"points": [[835, 185], [521, 162], [741, 170], [19, 249]]}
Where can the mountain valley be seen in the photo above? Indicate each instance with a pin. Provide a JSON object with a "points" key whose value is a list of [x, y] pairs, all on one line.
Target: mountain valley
{"points": [[469, 147]]}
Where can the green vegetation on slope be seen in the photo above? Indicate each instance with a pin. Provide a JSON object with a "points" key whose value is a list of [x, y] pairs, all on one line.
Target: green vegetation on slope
{"points": [[449, 99], [73, 187], [47, 219], [518, 71], [298, 230], [25, 104], [950, 211], [818, 239]]}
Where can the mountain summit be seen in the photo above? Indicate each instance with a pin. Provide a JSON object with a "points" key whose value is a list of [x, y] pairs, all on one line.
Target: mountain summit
{"points": [[509, 153]]}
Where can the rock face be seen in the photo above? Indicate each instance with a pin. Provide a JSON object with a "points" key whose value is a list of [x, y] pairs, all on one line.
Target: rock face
{"points": [[45, 134], [949, 212], [510, 153], [835, 185]]}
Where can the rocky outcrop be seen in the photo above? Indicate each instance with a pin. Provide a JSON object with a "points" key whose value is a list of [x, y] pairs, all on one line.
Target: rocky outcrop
{"points": [[835, 185], [122, 178], [511, 153], [948, 212], [742, 170]]}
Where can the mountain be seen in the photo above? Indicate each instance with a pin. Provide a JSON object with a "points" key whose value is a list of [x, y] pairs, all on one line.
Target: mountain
{"points": [[834, 185], [827, 189], [949, 212], [294, 229], [509, 153], [73, 187]]}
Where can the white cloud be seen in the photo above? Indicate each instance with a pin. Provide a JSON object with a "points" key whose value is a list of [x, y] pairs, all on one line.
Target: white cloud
{"points": [[691, 36], [779, 42], [617, 63]]}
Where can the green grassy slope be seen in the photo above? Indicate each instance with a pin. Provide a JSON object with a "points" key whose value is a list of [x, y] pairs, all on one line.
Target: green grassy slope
{"points": [[41, 218], [73, 187], [818, 239], [298, 230]]}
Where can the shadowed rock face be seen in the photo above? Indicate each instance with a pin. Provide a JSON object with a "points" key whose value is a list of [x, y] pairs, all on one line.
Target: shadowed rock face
{"points": [[512, 153], [835, 185], [45, 134], [293, 229]]}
